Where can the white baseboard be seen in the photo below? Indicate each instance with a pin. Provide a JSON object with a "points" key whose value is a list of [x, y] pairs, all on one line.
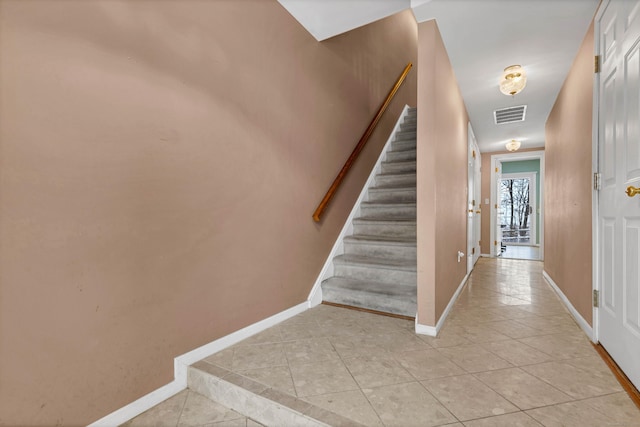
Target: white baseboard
{"points": [[584, 325], [434, 330], [181, 364], [315, 296], [486, 255]]}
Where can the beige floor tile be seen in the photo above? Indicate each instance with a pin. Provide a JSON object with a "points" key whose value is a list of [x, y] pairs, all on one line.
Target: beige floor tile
{"points": [[322, 378], [427, 364], [278, 377], [222, 358], [517, 353], [445, 339], [482, 334], [258, 356], [474, 358], [350, 404], [408, 405], [240, 422], [575, 382], [399, 341], [561, 346], [271, 335], [468, 398], [617, 407], [377, 370], [353, 346], [593, 364], [198, 410], [298, 331], [309, 351], [373, 323], [571, 414], [522, 389], [165, 414], [518, 419], [513, 329], [252, 423]]}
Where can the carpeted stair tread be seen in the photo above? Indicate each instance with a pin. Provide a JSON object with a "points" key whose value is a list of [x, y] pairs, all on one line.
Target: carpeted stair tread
{"points": [[385, 263]]}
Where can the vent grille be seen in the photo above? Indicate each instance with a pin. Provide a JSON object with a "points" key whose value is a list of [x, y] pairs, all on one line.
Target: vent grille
{"points": [[510, 115]]}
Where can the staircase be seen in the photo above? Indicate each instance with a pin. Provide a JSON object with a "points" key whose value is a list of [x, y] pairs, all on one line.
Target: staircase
{"points": [[377, 270]]}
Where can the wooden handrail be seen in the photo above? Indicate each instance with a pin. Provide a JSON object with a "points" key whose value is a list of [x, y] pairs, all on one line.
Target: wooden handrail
{"points": [[356, 151]]}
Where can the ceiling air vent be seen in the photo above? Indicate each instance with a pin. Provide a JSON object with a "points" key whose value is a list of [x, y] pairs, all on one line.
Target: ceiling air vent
{"points": [[510, 115]]}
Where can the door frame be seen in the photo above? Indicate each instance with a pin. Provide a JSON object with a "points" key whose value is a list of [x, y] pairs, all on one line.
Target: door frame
{"points": [[512, 157], [595, 197]]}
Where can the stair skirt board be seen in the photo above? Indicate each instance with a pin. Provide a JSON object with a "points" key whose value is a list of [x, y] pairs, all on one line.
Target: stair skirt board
{"points": [[376, 249]]}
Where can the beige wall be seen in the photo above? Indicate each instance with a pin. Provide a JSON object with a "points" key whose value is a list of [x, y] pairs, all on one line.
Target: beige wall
{"points": [[160, 165], [485, 228], [567, 230], [442, 177]]}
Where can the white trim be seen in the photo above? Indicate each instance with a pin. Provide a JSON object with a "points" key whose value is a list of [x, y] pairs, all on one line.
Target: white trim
{"points": [[433, 331], [485, 255], [525, 155], [315, 296], [584, 325], [181, 363], [139, 406], [595, 152]]}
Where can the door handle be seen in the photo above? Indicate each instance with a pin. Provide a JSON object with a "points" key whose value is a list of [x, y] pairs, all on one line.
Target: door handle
{"points": [[632, 191]]}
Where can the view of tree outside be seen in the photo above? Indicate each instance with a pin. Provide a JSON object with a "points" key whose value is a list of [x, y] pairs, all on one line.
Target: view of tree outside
{"points": [[515, 210]]}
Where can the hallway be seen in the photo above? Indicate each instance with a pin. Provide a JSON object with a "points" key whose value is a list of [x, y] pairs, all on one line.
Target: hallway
{"points": [[509, 355]]}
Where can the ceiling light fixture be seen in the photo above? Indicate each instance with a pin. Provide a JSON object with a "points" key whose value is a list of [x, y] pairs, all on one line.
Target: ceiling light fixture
{"points": [[513, 145], [514, 79]]}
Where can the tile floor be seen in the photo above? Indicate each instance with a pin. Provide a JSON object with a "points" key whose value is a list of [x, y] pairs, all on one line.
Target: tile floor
{"points": [[509, 355]]}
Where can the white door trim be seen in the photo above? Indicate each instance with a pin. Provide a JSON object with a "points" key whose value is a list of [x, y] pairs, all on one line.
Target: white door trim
{"points": [[595, 212], [512, 157]]}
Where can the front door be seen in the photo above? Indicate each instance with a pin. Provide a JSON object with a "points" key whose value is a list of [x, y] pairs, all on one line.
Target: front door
{"points": [[618, 32]]}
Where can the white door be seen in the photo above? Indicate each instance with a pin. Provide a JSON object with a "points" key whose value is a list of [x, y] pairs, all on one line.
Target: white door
{"points": [[473, 198], [619, 165], [477, 219]]}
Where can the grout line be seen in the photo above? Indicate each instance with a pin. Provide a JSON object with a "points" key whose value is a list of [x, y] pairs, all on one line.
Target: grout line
{"points": [[183, 405], [624, 381]]}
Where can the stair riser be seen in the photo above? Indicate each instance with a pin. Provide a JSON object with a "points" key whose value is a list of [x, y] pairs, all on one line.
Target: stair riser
{"points": [[371, 302], [409, 179], [404, 136], [390, 229], [394, 252], [408, 127], [381, 275], [398, 167], [398, 195], [403, 145], [386, 211], [401, 156]]}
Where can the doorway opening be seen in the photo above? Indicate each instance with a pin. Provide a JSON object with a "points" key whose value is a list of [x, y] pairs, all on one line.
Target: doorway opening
{"points": [[518, 215], [516, 195]]}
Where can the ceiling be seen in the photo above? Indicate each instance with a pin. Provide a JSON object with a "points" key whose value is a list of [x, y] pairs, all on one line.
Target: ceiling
{"points": [[482, 37]]}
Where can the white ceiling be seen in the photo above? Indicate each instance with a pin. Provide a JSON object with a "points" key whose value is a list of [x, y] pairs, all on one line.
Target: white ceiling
{"points": [[482, 37]]}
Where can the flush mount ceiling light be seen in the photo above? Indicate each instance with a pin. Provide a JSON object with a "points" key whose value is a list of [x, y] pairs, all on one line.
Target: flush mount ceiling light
{"points": [[514, 79], [513, 145]]}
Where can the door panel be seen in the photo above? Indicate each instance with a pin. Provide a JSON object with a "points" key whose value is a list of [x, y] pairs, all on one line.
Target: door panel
{"points": [[631, 278]]}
